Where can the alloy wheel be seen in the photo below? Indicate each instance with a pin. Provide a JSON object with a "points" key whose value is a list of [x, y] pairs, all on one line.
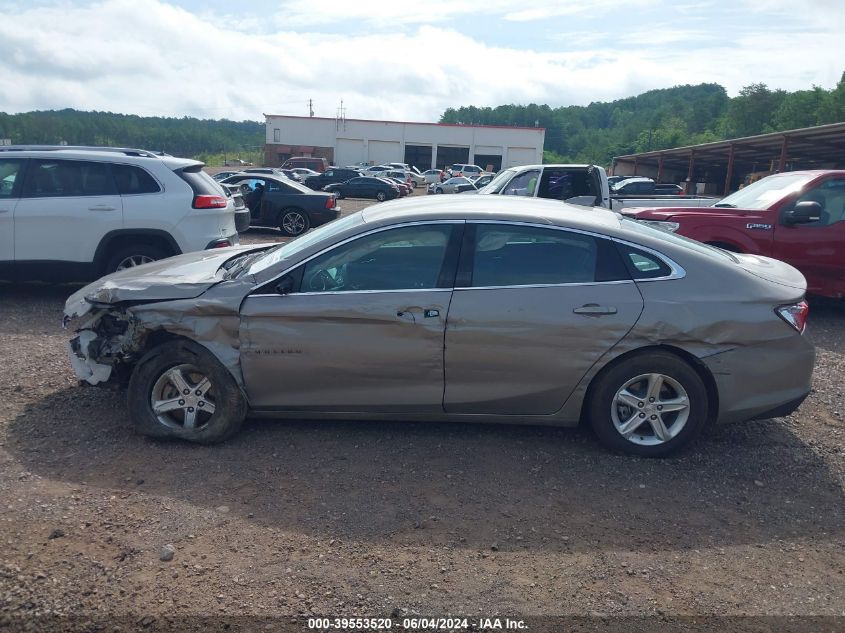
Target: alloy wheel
{"points": [[293, 223], [650, 409], [183, 398], [132, 261]]}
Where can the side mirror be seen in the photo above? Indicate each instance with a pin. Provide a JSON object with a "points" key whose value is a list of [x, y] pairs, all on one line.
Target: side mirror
{"points": [[285, 285], [803, 213]]}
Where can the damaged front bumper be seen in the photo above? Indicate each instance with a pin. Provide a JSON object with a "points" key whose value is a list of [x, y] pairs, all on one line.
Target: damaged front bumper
{"points": [[104, 340]]}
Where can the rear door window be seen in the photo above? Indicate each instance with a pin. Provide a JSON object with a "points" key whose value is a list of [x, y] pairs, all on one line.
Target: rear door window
{"points": [[11, 170], [513, 255], [68, 178]]}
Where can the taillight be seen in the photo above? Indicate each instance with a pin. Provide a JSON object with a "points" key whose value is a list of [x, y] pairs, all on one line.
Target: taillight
{"points": [[795, 314], [209, 202], [330, 202]]}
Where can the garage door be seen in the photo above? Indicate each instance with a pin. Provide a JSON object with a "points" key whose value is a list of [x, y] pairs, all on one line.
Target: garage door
{"points": [[521, 156], [385, 152], [349, 151]]}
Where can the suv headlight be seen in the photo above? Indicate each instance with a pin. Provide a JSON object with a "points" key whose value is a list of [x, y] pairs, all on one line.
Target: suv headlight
{"points": [[663, 225]]}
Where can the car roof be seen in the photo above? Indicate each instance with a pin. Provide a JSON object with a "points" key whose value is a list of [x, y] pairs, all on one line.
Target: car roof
{"points": [[115, 154], [493, 207]]}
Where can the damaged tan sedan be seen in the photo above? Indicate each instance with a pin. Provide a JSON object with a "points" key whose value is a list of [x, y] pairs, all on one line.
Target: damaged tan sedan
{"points": [[461, 309]]}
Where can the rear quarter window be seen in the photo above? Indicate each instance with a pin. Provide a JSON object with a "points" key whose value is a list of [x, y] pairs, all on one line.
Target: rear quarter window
{"points": [[200, 182], [132, 180]]}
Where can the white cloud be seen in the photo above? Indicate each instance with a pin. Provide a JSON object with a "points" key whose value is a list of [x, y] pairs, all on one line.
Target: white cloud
{"points": [[155, 58]]}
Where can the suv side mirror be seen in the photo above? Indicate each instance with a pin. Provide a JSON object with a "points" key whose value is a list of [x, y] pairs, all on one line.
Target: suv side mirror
{"points": [[803, 213], [285, 285]]}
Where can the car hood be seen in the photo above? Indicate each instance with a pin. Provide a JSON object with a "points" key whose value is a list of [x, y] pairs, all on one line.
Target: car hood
{"points": [[667, 213], [181, 277]]}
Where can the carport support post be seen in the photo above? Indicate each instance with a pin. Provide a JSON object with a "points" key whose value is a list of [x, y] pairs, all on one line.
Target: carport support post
{"points": [[729, 175], [660, 169], [636, 164], [690, 171], [433, 156], [783, 149]]}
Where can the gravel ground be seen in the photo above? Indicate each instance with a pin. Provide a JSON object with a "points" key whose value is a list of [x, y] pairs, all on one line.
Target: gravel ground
{"points": [[295, 518]]}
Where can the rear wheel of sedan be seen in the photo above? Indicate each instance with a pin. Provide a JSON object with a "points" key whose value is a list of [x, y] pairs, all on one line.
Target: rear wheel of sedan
{"points": [[293, 222], [381, 196], [180, 390], [650, 404]]}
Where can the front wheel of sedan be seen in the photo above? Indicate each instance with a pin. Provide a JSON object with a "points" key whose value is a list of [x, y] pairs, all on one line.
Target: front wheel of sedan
{"points": [[182, 391], [650, 405], [294, 222]]}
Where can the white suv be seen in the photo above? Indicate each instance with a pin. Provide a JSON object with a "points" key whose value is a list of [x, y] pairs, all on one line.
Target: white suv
{"points": [[72, 213]]}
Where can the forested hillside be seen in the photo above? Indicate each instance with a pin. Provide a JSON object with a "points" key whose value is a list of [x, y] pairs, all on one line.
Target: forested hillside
{"points": [[595, 133], [659, 119], [178, 136]]}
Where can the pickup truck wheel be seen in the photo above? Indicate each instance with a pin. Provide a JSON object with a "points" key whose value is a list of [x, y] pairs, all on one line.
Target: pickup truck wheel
{"points": [[650, 405], [182, 391], [293, 222], [132, 255]]}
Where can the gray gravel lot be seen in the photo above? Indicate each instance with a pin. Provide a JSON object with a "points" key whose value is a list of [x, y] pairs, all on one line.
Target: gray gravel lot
{"points": [[297, 518]]}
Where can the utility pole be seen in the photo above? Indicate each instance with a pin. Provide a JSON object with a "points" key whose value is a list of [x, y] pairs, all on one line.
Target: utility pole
{"points": [[341, 117], [311, 108]]}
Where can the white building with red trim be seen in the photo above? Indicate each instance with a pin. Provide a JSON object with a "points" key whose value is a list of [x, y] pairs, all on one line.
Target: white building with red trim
{"points": [[426, 145]]}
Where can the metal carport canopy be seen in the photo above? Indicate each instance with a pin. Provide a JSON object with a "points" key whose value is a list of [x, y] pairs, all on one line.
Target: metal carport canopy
{"points": [[811, 146]]}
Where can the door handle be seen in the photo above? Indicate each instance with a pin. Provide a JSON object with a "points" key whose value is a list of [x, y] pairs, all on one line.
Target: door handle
{"points": [[101, 207], [431, 313], [594, 309]]}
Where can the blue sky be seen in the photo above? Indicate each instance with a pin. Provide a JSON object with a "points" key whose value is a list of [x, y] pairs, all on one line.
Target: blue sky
{"points": [[399, 60]]}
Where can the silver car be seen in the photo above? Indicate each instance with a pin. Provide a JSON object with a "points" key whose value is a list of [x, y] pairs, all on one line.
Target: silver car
{"points": [[460, 308]]}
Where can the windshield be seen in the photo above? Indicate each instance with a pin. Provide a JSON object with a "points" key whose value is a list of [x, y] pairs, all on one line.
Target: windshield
{"points": [[285, 251], [495, 185], [765, 192]]}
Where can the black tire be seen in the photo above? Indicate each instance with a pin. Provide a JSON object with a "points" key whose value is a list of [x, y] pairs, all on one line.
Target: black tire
{"points": [[381, 196], [139, 253], [644, 441], [438, 190], [230, 407], [294, 222], [338, 193]]}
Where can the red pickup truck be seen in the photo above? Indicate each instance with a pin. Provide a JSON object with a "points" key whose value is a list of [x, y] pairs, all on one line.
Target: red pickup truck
{"points": [[797, 217]]}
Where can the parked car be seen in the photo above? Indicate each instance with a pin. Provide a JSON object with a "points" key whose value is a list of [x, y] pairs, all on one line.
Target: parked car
{"points": [[330, 177], [365, 187], [404, 188], [273, 171], [236, 162], [304, 172], [282, 202], [317, 164], [431, 175], [223, 174], [474, 185], [449, 186], [469, 171], [290, 173], [644, 186], [551, 316], [74, 213], [402, 176], [798, 217]]}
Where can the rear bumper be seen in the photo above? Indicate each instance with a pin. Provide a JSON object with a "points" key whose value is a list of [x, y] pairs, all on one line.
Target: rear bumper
{"points": [[765, 380], [323, 216]]}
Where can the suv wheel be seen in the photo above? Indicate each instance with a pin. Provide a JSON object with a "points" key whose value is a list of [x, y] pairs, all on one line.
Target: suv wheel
{"points": [[182, 391], [133, 255]]}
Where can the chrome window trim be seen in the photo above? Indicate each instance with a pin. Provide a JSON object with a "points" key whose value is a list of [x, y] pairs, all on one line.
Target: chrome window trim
{"points": [[346, 241], [678, 271], [355, 292]]}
